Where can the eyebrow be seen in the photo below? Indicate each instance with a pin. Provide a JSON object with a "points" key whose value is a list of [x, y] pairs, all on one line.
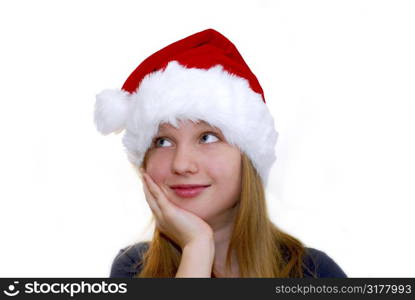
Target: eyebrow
{"points": [[204, 128]]}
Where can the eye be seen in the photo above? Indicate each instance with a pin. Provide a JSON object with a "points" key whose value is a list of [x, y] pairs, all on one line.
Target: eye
{"points": [[207, 134], [156, 141], [206, 137]]}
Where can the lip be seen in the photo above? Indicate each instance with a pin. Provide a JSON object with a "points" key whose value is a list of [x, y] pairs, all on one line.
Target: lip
{"points": [[188, 190], [187, 186]]}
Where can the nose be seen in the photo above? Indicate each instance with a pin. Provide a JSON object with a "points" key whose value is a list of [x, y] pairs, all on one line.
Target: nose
{"points": [[185, 160]]}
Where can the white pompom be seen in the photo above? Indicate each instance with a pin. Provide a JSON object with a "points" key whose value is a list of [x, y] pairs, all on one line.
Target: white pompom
{"points": [[111, 110]]}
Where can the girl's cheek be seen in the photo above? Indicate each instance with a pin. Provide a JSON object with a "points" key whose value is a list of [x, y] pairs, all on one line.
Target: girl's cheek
{"points": [[158, 167]]}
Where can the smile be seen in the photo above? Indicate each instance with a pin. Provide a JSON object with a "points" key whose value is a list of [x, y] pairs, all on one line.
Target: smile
{"points": [[189, 192]]}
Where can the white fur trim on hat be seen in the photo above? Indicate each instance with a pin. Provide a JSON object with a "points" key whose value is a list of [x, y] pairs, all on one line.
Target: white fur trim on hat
{"points": [[177, 93], [111, 110]]}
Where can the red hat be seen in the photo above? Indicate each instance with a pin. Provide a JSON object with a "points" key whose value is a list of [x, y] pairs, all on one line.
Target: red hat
{"points": [[201, 50], [200, 77]]}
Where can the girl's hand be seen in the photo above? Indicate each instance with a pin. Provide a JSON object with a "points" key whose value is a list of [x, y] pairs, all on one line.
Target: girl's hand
{"points": [[182, 226]]}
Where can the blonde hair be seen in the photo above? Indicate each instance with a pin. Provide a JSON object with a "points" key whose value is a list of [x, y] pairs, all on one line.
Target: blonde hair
{"points": [[261, 248]]}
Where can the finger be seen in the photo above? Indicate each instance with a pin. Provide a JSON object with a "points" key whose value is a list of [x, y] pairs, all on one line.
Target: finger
{"points": [[157, 192], [152, 204], [151, 201], [145, 182], [165, 192]]}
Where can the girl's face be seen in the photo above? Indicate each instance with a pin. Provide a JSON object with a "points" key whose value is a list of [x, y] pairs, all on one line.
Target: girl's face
{"points": [[197, 153]]}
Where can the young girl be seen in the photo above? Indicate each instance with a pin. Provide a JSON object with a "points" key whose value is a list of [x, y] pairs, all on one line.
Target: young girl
{"points": [[198, 130]]}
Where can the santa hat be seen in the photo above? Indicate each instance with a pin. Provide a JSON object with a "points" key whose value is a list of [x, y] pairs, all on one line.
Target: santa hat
{"points": [[201, 77]]}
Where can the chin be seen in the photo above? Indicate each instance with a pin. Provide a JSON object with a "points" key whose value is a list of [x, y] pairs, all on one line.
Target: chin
{"points": [[195, 209]]}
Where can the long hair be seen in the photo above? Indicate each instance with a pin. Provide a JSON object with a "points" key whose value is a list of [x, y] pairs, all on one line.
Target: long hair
{"points": [[261, 248]]}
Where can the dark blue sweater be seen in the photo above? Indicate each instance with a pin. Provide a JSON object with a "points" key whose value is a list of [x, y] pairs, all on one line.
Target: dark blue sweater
{"points": [[128, 263]]}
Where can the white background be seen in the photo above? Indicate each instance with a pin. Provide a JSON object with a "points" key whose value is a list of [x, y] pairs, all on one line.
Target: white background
{"points": [[338, 77]]}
